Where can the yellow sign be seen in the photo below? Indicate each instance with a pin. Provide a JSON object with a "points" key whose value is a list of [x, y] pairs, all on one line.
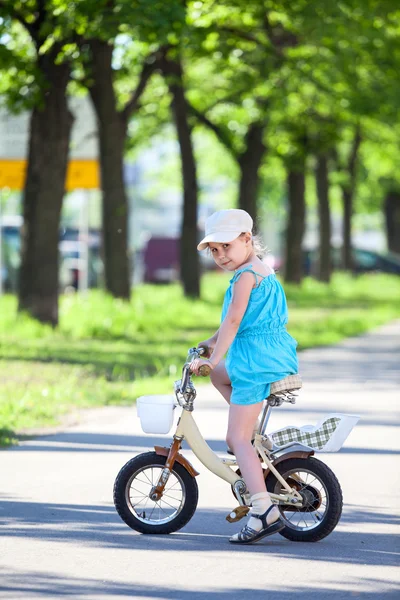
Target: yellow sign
{"points": [[81, 174]]}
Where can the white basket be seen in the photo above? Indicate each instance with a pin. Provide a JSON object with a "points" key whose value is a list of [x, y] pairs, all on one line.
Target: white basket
{"points": [[156, 413], [328, 435]]}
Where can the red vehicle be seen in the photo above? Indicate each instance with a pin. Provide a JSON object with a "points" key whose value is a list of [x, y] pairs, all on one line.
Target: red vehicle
{"points": [[161, 260]]}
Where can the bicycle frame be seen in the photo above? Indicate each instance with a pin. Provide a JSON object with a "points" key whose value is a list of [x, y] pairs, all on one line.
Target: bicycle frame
{"points": [[187, 429]]}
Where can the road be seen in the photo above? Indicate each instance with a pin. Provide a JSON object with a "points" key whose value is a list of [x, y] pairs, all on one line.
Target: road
{"points": [[60, 535]]}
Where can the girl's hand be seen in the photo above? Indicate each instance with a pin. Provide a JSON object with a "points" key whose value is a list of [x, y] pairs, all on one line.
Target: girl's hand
{"points": [[198, 362], [209, 345]]}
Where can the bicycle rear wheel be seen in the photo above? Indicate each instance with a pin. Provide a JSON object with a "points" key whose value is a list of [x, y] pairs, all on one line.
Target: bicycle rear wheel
{"points": [[322, 499]]}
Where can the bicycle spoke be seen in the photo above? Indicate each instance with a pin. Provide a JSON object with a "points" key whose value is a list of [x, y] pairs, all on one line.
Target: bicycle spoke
{"points": [[174, 491], [147, 477], [167, 495], [165, 502], [161, 508], [152, 510], [315, 502], [145, 505], [288, 519], [149, 510], [139, 491], [144, 482], [138, 502]]}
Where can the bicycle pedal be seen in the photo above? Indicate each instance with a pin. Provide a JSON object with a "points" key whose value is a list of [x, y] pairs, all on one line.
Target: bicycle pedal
{"points": [[238, 513]]}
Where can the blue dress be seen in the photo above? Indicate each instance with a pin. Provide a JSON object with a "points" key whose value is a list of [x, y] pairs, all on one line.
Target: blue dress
{"points": [[262, 351]]}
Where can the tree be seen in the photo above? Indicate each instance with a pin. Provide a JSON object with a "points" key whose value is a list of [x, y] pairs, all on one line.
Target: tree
{"points": [[325, 226], [189, 260], [229, 84], [348, 187], [296, 218], [113, 126], [45, 55], [392, 219], [378, 182], [122, 43]]}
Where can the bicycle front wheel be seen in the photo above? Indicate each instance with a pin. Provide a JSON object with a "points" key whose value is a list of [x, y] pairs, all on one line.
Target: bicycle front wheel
{"points": [[132, 489]]}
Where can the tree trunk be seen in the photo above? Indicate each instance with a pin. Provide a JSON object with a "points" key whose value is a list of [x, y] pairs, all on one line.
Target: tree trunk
{"points": [[322, 183], [249, 163], [189, 258], [50, 130], [112, 128], [295, 226], [392, 220], [348, 200]]}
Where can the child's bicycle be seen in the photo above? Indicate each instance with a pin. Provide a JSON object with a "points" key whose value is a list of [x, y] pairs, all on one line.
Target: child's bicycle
{"points": [[156, 492]]}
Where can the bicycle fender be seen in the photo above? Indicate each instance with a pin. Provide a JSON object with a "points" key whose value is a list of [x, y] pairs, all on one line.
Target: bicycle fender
{"points": [[162, 451], [295, 450]]}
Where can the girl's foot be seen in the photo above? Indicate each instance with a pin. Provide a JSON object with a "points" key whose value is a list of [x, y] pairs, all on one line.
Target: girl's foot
{"points": [[248, 535]]}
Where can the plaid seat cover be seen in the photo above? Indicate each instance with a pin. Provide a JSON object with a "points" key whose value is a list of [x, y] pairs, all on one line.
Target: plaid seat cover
{"points": [[291, 382], [315, 439]]}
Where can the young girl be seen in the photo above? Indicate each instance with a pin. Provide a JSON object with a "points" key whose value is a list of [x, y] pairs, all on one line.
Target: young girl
{"points": [[260, 351]]}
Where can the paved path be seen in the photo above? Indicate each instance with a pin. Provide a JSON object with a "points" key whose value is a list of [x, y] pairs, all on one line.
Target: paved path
{"points": [[60, 535]]}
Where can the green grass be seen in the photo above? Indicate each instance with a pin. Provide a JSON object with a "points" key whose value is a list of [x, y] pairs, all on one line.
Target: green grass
{"points": [[109, 352]]}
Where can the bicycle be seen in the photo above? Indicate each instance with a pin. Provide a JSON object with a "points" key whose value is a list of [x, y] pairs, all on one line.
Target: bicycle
{"points": [[157, 493]]}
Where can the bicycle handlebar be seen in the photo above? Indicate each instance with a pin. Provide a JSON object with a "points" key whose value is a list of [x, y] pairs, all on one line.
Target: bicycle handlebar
{"points": [[204, 370]]}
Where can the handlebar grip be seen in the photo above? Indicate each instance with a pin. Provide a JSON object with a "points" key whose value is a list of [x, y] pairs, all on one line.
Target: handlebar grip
{"points": [[204, 370], [206, 351]]}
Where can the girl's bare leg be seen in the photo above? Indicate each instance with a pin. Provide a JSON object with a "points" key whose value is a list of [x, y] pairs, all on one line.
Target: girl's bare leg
{"points": [[220, 380], [240, 429]]}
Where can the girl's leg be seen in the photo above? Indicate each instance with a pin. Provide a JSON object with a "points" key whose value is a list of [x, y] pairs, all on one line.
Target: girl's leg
{"points": [[240, 429], [220, 380]]}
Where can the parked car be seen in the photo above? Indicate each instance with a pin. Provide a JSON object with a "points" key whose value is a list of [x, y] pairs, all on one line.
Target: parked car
{"points": [[10, 247], [161, 260], [364, 261], [70, 252], [71, 264], [367, 260]]}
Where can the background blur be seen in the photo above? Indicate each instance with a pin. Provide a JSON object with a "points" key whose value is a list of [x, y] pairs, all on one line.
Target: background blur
{"points": [[124, 124]]}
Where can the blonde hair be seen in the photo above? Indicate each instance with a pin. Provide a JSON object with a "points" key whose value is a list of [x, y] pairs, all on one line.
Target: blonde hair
{"points": [[258, 245]]}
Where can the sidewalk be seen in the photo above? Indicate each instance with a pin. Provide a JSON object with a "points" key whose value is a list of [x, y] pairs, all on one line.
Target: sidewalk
{"points": [[61, 536]]}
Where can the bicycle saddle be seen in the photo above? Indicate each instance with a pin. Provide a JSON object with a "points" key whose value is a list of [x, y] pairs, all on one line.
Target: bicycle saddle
{"points": [[287, 384]]}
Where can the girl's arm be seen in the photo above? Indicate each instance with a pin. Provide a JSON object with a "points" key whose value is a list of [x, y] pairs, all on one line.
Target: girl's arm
{"points": [[210, 342], [230, 325], [214, 337]]}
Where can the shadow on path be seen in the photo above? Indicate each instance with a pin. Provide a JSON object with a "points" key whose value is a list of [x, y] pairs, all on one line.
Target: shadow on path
{"points": [[108, 442], [18, 585], [101, 526]]}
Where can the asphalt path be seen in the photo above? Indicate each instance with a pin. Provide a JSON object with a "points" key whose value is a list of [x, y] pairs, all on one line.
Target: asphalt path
{"points": [[61, 537]]}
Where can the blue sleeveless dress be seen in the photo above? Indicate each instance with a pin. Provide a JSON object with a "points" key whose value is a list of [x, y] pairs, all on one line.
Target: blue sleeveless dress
{"points": [[262, 351]]}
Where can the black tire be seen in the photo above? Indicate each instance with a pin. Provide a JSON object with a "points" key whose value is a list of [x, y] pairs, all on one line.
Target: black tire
{"points": [[150, 461], [315, 500]]}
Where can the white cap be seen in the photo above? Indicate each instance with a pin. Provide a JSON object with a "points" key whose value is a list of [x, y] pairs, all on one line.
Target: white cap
{"points": [[225, 226]]}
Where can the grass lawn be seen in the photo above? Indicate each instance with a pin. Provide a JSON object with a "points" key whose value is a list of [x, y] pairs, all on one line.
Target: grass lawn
{"points": [[109, 352]]}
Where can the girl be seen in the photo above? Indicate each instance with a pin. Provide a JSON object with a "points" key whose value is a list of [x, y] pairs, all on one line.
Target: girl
{"points": [[260, 351]]}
